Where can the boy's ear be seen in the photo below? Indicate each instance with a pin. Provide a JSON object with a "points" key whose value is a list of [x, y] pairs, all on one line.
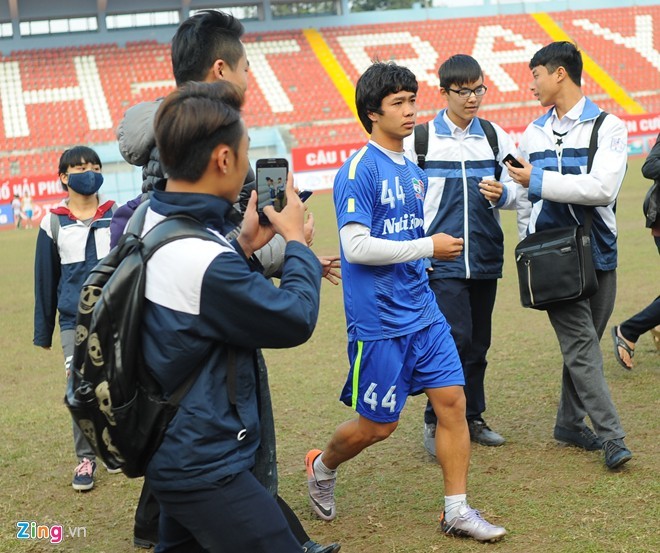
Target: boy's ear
{"points": [[221, 157], [217, 70], [64, 178], [561, 73]]}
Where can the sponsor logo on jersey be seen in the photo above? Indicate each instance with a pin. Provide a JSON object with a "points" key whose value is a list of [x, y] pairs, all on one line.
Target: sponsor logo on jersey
{"points": [[407, 222]]}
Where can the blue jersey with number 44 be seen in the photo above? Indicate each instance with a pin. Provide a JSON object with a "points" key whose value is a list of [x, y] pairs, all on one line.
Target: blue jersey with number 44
{"points": [[384, 301]]}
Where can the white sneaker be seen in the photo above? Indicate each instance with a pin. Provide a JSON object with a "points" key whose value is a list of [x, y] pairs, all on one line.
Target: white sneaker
{"points": [[321, 492], [472, 525]]}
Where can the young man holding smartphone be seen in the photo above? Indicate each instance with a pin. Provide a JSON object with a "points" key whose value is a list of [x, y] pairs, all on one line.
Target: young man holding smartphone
{"points": [[208, 310], [399, 341], [560, 191], [464, 199]]}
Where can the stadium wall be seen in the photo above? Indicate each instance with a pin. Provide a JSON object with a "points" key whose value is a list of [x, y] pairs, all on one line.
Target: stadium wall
{"points": [[317, 138]]}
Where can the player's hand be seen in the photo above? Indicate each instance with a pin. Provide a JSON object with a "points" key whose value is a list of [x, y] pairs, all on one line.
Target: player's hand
{"points": [[446, 247], [330, 266], [309, 228], [253, 236], [291, 220]]}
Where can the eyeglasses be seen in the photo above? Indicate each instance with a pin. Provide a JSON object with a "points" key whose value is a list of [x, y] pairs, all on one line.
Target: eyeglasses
{"points": [[465, 92]]}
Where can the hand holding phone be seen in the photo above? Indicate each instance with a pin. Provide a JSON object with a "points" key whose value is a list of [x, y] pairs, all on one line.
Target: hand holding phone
{"points": [[290, 222], [272, 176], [512, 161], [271, 184]]}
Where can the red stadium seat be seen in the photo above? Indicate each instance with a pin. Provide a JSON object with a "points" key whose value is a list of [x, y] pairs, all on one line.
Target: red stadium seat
{"points": [[302, 98]]}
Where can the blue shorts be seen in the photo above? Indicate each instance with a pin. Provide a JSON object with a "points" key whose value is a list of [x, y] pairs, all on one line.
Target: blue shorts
{"points": [[385, 372]]}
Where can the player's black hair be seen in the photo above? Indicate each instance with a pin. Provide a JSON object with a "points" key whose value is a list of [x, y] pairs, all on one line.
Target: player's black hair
{"points": [[379, 80]]}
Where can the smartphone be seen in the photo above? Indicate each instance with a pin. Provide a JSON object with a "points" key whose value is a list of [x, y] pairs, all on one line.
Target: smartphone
{"points": [[271, 184], [513, 161], [304, 195]]}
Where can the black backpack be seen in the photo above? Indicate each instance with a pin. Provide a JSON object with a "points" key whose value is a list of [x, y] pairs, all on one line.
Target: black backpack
{"points": [[118, 405], [422, 143]]}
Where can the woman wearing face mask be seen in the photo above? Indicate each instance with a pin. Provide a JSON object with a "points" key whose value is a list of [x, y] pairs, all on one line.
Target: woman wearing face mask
{"points": [[72, 238]]}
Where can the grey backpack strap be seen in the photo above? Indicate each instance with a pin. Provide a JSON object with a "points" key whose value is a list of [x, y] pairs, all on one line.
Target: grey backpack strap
{"points": [[54, 227], [136, 222]]}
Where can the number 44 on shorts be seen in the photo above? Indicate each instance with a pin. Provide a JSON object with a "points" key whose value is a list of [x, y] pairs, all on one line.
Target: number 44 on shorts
{"points": [[371, 398]]}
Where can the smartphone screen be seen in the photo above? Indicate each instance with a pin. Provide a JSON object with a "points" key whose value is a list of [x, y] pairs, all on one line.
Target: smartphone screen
{"points": [[271, 183]]}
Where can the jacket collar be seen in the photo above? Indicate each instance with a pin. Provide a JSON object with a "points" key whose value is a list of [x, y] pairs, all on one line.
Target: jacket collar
{"points": [[442, 128], [209, 210], [63, 209], [589, 113]]}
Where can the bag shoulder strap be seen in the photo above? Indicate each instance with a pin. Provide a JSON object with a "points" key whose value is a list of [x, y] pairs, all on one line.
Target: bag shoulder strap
{"points": [[491, 136], [54, 226], [136, 221], [421, 143], [593, 141], [593, 146], [177, 227]]}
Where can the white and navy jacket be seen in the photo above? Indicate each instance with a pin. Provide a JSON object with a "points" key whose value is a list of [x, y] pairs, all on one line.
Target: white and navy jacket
{"points": [[60, 269], [453, 203], [560, 186], [206, 311]]}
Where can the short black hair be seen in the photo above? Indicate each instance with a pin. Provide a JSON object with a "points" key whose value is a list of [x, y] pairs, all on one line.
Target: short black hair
{"points": [[560, 54], [459, 70], [202, 39], [379, 80], [192, 121]]}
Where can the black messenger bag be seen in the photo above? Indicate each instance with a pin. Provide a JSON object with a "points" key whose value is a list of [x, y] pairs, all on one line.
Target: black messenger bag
{"points": [[556, 265]]}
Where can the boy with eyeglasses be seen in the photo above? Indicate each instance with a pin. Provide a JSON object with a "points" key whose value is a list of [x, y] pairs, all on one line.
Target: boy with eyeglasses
{"points": [[467, 188]]}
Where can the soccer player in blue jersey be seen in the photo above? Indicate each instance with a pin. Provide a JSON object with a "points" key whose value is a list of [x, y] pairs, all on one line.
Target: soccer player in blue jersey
{"points": [[399, 343]]}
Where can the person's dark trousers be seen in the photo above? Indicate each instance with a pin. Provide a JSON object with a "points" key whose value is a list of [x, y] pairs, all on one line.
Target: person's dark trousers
{"points": [[146, 516], [234, 515], [265, 470], [293, 521], [467, 304], [579, 327], [642, 322]]}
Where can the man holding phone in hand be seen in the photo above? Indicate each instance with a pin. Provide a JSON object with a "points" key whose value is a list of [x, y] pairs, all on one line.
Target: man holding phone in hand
{"points": [[467, 188], [560, 191]]}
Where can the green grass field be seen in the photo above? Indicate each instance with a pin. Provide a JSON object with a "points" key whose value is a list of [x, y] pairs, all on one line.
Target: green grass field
{"points": [[551, 499]]}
